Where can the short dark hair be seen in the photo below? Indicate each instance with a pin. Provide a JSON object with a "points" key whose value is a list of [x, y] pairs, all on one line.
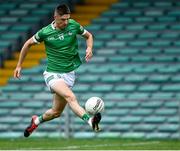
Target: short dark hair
{"points": [[62, 9]]}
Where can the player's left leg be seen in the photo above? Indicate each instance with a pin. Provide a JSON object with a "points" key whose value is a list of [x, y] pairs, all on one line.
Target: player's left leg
{"points": [[57, 108]]}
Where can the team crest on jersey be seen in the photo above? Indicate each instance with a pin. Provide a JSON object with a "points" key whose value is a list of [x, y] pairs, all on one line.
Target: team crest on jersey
{"points": [[61, 37], [69, 33]]}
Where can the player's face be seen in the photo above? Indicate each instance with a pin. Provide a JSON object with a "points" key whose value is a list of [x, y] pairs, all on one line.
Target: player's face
{"points": [[62, 21]]}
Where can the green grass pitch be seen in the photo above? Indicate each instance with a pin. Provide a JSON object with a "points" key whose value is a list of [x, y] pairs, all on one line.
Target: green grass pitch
{"points": [[87, 144]]}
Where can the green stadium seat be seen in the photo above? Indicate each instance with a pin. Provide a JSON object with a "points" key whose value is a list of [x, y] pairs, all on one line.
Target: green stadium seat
{"points": [[11, 135], [171, 87], [31, 19], [11, 88], [134, 78], [98, 59], [121, 70], [101, 20], [166, 112], [28, 6], [133, 135], [168, 128], [154, 13], [138, 95], [21, 28], [129, 51], [20, 96], [9, 20], [168, 70], [162, 95], [49, 6], [161, 43], [135, 27], [125, 88], [37, 79], [166, 19], [122, 127], [114, 96], [155, 119], [171, 104], [113, 28], [158, 27], [170, 35], [22, 112], [86, 96], [120, 5], [132, 13], [127, 104], [19, 12], [106, 52], [102, 88], [142, 112], [98, 70], [119, 59], [158, 78], [111, 13], [173, 119], [111, 79], [141, 4], [144, 127], [130, 119], [104, 37], [115, 44], [32, 88], [174, 13], [9, 104], [84, 135], [144, 70], [24, 79], [138, 43], [157, 135], [41, 12], [4, 127], [98, 44], [151, 104], [150, 51], [35, 105], [94, 27], [121, 20], [125, 36], [4, 112], [148, 35], [8, 6], [173, 51], [149, 88], [144, 19], [175, 27], [81, 88], [163, 4], [141, 58], [116, 112], [4, 28], [2, 12], [109, 120], [10, 120]]}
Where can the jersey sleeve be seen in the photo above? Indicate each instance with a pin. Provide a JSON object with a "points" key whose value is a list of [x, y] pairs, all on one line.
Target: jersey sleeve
{"points": [[38, 37], [81, 30]]}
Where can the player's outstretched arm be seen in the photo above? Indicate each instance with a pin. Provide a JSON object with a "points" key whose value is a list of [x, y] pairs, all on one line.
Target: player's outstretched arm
{"points": [[24, 50], [89, 43]]}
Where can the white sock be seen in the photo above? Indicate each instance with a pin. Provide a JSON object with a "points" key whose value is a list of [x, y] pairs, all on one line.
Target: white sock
{"points": [[36, 121], [90, 121]]}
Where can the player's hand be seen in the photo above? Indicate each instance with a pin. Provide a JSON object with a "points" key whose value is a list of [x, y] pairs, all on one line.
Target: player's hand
{"points": [[89, 54], [17, 72]]}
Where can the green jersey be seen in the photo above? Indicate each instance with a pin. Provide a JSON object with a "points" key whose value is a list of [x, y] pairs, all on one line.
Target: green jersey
{"points": [[61, 46]]}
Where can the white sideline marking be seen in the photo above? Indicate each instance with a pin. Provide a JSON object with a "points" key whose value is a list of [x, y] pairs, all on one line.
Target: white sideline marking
{"points": [[100, 145]]}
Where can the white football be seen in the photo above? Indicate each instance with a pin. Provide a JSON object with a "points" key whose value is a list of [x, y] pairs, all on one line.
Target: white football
{"points": [[94, 105]]}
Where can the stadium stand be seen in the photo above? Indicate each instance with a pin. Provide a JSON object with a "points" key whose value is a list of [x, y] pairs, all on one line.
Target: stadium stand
{"points": [[135, 69]]}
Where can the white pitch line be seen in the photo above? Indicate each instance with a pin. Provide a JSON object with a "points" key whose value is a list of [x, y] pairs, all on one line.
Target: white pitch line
{"points": [[100, 145]]}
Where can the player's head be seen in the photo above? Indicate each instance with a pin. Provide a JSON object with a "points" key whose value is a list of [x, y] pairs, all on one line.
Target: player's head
{"points": [[62, 15]]}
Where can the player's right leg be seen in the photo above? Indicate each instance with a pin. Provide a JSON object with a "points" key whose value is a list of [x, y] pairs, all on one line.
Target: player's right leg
{"points": [[62, 89], [57, 108]]}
